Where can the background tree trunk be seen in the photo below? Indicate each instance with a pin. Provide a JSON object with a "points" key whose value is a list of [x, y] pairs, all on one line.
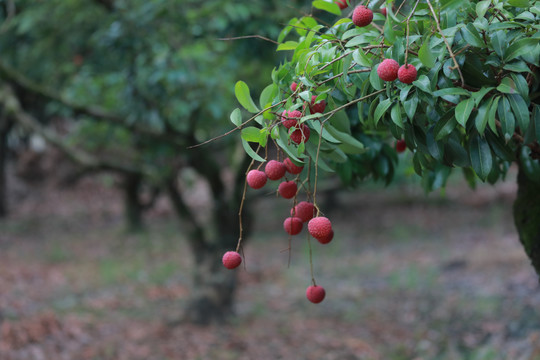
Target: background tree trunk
{"points": [[527, 216], [132, 205], [5, 127]]}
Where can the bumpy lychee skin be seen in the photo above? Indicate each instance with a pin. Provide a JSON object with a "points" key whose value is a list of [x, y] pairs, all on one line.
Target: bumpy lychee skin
{"points": [[275, 170], [315, 293], [293, 86], [290, 118], [304, 210], [388, 70], [231, 259], [362, 16], [293, 225], [256, 179], [318, 107], [401, 146], [342, 4], [287, 189], [320, 227], [326, 239], [407, 74], [300, 135], [291, 167]]}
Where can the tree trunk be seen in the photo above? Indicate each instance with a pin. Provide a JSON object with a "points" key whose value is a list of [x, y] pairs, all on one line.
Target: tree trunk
{"points": [[132, 205], [4, 131], [527, 216]]}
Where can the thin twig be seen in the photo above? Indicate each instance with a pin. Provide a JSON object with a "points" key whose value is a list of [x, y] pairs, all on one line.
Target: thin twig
{"points": [[446, 42], [249, 37]]}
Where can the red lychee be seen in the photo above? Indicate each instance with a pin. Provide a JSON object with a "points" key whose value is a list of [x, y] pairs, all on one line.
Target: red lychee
{"points": [[287, 189], [293, 86], [320, 227], [362, 16], [315, 293], [303, 210], [388, 70], [401, 146], [275, 170], [291, 167], [231, 259], [407, 73], [342, 4], [326, 239], [300, 135], [256, 179], [318, 107], [290, 118], [383, 11], [293, 225]]}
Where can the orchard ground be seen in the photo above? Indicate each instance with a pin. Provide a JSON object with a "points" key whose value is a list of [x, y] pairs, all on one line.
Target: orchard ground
{"points": [[406, 277]]}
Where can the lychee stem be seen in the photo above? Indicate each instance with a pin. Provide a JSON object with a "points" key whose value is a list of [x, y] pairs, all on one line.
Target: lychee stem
{"points": [[311, 260], [456, 65], [317, 168], [408, 21], [241, 228]]}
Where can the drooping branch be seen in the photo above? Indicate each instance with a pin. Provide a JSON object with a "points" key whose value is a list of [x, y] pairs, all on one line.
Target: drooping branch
{"points": [[94, 111], [13, 109]]}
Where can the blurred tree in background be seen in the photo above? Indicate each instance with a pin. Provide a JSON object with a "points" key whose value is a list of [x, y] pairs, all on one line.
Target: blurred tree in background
{"points": [[127, 87]]}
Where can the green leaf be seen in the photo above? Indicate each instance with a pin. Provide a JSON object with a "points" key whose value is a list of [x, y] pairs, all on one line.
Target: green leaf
{"points": [[471, 36], [479, 95], [236, 117], [482, 7], [519, 48], [498, 40], [330, 7], [395, 113], [361, 58], [251, 134], [519, 3], [426, 55], [375, 80], [267, 95], [463, 111], [482, 116], [444, 126], [288, 45], [349, 144], [251, 152], [506, 117], [289, 149], [481, 157], [241, 90], [381, 109], [520, 110], [451, 91], [410, 106], [507, 86], [491, 113], [536, 119], [423, 84]]}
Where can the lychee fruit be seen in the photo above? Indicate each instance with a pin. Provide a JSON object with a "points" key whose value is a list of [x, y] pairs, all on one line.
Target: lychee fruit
{"points": [[320, 227], [401, 146], [407, 74], [388, 70], [362, 16], [318, 107], [303, 210], [315, 293], [231, 259], [293, 225], [287, 189], [291, 167], [383, 11], [256, 179], [293, 86], [300, 135], [290, 118], [275, 170], [326, 239], [342, 4]]}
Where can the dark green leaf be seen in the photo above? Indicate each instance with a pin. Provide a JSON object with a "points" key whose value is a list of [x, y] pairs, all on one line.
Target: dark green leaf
{"points": [[251, 152], [241, 90], [425, 54], [463, 111], [506, 117], [481, 157], [520, 110], [520, 47], [381, 110], [396, 115], [471, 36]]}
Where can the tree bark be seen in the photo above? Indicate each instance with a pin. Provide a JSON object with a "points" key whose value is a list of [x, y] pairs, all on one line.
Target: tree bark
{"points": [[132, 205], [527, 216], [4, 131]]}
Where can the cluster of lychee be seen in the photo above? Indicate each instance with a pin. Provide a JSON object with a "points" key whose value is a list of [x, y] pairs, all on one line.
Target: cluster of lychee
{"points": [[303, 212]]}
